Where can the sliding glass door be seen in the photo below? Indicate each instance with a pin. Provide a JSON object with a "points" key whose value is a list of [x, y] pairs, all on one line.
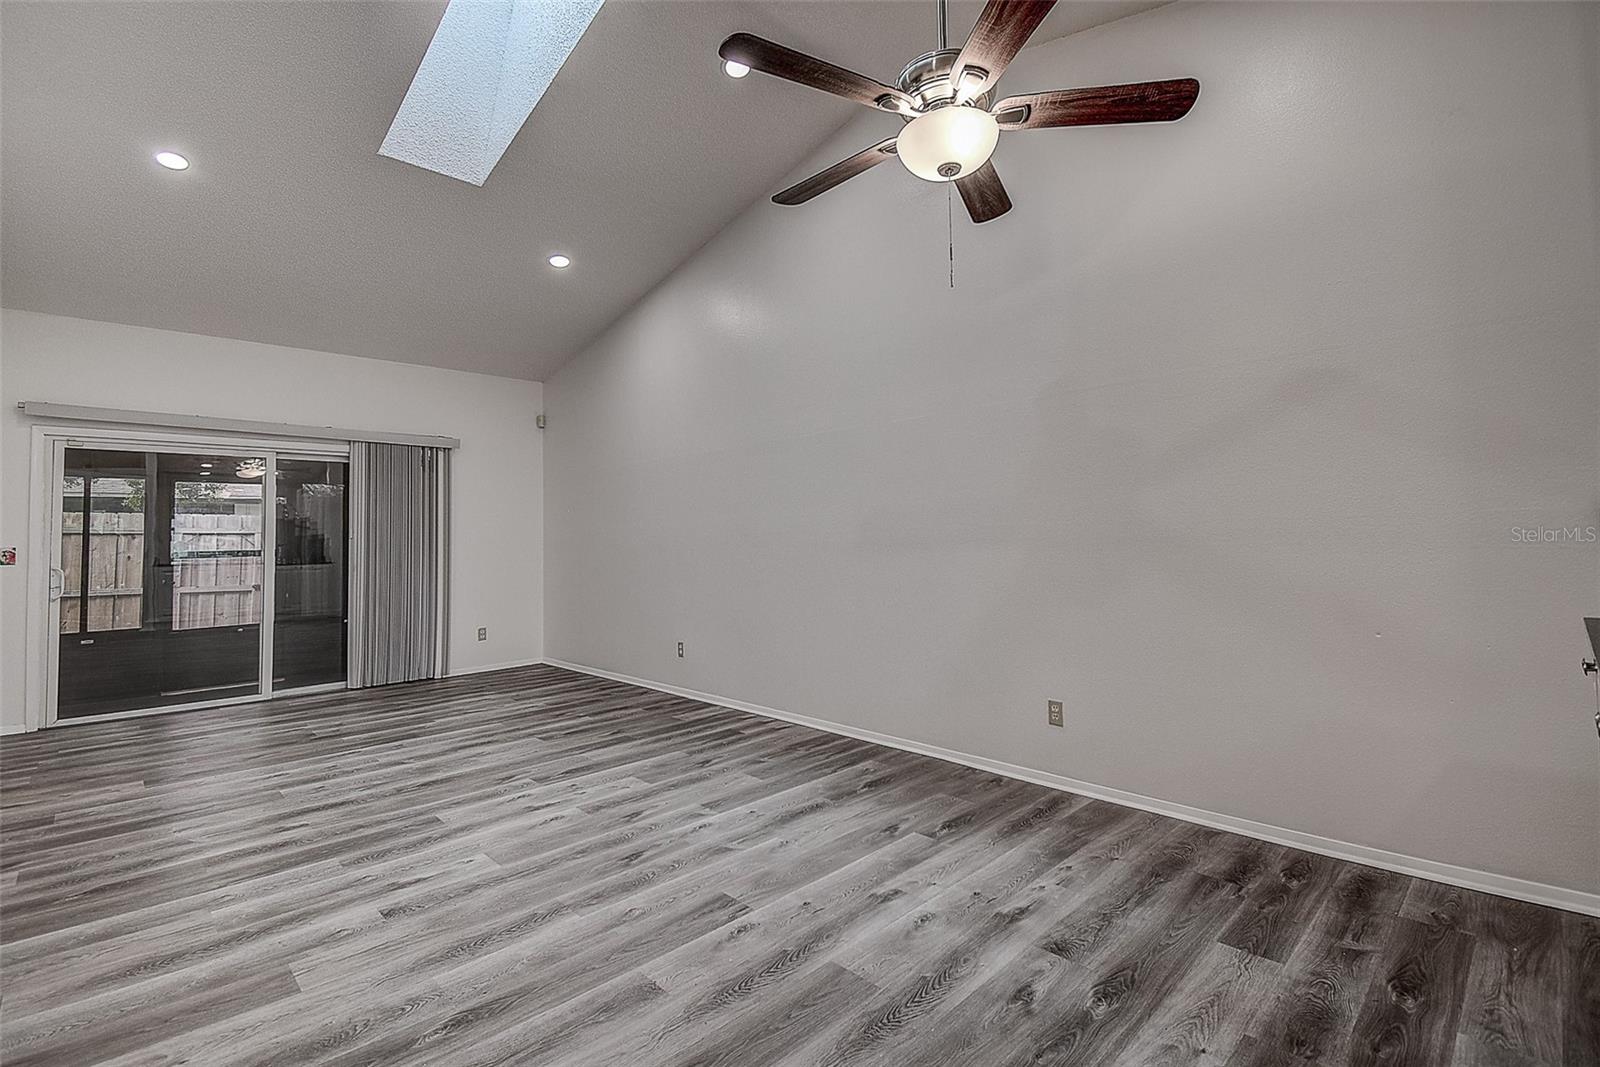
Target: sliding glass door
{"points": [[164, 594]]}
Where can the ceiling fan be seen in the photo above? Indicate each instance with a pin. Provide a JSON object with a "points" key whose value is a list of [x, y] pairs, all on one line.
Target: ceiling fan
{"points": [[943, 97]]}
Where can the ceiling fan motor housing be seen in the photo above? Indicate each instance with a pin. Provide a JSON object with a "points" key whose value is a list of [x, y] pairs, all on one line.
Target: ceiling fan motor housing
{"points": [[926, 80]]}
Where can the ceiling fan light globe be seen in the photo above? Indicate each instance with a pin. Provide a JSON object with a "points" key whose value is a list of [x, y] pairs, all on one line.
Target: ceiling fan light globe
{"points": [[949, 143]]}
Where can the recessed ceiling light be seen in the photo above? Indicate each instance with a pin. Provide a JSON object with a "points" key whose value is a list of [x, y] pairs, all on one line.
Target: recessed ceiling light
{"points": [[172, 161], [206, 465], [560, 262], [735, 70]]}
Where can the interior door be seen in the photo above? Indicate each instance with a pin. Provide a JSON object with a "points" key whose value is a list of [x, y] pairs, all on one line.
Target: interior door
{"points": [[162, 580]]}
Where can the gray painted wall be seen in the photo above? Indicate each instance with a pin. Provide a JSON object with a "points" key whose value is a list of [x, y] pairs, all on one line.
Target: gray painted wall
{"points": [[1222, 438]]}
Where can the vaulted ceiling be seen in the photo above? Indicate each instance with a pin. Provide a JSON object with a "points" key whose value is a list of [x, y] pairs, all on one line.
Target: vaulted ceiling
{"points": [[291, 229]]}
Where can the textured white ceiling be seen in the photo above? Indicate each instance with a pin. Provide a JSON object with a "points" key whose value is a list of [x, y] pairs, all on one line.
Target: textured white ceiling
{"points": [[291, 229]]}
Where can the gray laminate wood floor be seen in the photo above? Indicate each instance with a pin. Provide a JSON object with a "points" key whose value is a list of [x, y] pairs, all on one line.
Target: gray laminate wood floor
{"points": [[537, 867]]}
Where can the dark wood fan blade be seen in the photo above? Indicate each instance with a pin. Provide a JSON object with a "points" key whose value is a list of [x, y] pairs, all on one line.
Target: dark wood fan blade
{"points": [[841, 171], [1103, 105], [984, 193], [758, 53], [1001, 31]]}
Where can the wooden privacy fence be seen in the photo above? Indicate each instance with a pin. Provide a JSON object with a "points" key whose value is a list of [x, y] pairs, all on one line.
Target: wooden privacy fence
{"points": [[217, 571], [116, 570]]}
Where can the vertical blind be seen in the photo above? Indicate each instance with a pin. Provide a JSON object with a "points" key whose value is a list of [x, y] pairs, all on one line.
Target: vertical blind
{"points": [[399, 514]]}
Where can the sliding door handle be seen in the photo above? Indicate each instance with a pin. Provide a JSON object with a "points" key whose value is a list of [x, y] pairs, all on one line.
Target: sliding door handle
{"points": [[58, 583]]}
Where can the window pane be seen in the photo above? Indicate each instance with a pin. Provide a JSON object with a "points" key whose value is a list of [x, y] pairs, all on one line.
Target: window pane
{"points": [[115, 594], [103, 587], [216, 552], [308, 637]]}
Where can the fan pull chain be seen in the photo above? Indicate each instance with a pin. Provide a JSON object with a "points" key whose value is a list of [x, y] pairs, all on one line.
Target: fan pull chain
{"points": [[950, 224]]}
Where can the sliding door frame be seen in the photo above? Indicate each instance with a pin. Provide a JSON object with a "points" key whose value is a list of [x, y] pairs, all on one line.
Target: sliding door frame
{"points": [[50, 444]]}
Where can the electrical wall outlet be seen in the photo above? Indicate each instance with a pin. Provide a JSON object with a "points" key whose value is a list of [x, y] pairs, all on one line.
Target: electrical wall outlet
{"points": [[483, 633], [680, 649], [1056, 716]]}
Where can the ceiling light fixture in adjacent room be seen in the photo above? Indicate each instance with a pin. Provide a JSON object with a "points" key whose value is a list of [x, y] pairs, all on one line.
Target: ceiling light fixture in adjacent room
{"points": [[560, 262], [734, 69], [172, 161]]}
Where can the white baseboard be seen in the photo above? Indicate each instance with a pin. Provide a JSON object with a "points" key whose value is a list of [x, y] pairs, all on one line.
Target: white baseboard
{"points": [[486, 668], [1466, 877], [14, 728]]}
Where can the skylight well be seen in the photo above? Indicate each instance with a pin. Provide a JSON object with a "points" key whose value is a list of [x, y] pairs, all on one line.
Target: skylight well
{"points": [[489, 63]]}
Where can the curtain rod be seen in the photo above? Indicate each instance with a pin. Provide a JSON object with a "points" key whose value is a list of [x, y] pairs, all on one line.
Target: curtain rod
{"points": [[41, 409]]}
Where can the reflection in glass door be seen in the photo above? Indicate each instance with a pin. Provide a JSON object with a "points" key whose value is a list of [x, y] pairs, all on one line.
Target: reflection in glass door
{"points": [[310, 574], [161, 580]]}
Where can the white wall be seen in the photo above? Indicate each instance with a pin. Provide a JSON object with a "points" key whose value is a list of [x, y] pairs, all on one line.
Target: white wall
{"points": [[496, 563], [1221, 438]]}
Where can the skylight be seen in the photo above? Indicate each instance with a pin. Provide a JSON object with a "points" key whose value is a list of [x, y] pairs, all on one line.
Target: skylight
{"points": [[489, 63]]}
